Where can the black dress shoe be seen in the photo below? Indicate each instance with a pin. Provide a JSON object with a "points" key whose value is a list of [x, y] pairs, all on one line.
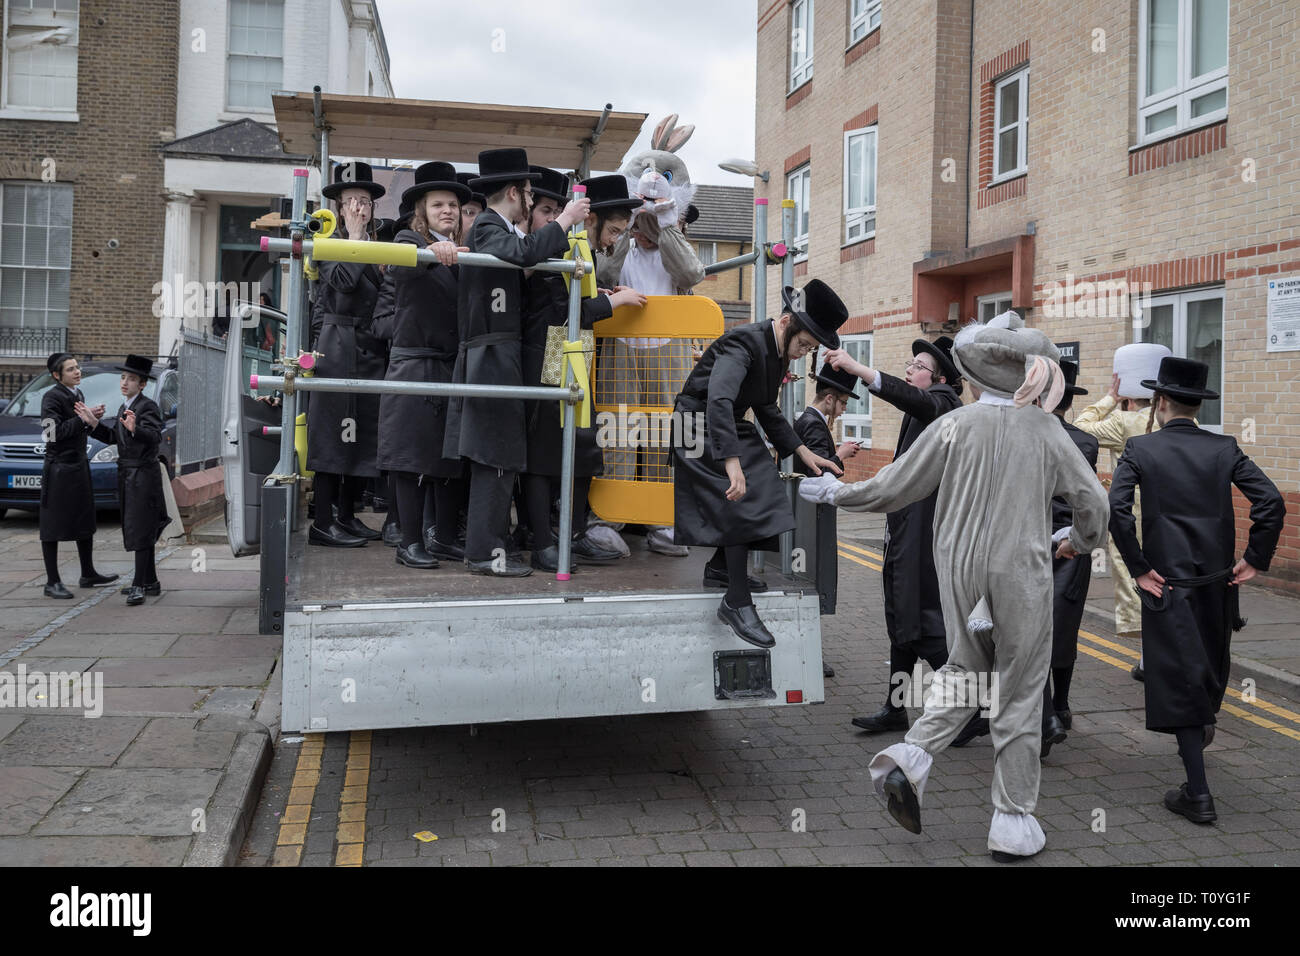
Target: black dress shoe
{"points": [[1198, 809], [416, 557], [379, 505], [903, 805], [713, 578], [359, 530], [392, 534], [97, 580], [885, 719], [827, 670], [588, 551], [548, 559], [746, 623], [57, 590], [1053, 733], [1138, 674], [509, 568], [134, 596], [1066, 718], [436, 548], [335, 537], [152, 590], [977, 727]]}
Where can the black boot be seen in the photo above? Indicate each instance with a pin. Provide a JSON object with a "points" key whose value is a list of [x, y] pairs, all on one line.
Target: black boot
{"points": [[885, 719]]}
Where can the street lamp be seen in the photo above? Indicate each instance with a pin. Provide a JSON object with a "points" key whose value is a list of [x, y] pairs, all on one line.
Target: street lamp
{"points": [[743, 167]]}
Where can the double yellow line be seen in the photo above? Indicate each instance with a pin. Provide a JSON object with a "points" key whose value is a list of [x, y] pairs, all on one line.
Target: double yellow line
{"points": [[868, 559], [350, 837]]}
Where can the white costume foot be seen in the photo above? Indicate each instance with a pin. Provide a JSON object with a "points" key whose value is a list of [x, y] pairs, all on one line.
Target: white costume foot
{"points": [[1015, 834], [909, 758]]}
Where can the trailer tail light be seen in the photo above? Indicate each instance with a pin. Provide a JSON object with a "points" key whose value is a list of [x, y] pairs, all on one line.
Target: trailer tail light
{"points": [[794, 697], [742, 675]]}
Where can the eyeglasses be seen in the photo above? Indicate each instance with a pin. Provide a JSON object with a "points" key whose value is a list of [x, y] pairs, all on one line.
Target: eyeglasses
{"points": [[361, 203], [918, 366]]}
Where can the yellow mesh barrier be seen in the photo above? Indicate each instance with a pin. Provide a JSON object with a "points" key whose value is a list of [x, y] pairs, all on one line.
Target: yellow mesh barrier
{"points": [[643, 357]]}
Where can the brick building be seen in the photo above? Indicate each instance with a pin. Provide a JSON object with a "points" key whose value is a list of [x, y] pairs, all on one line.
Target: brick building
{"points": [[724, 230], [1153, 201], [87, 95]]}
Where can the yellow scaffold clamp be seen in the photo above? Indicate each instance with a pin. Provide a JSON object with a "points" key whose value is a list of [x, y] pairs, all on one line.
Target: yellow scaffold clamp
{"points": [[576, 359], [580, 252], [327, 221]]}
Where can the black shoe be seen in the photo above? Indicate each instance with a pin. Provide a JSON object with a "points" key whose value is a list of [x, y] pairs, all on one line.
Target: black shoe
{"points": [[1198, 809], [134, 596], [1207, 736], [152, 590], [510, 568], [903, 805], [977, 727], [713, 578], [745, 622], [885, 719], [57, 590], [416, 557], [358, 530], [96, 580], [379, 505], [1138, 674], [450, 552], [392, 534], [335, 537], [1066, 718], [548, 559], [588, 551], [1053, 733], [1000, 856], [827, 670]]}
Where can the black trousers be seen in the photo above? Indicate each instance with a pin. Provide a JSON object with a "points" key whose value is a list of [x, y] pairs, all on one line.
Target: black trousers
{"points": [[488, 522], [902, 659]]}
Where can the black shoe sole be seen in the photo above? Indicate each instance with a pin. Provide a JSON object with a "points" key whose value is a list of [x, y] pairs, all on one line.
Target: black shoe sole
{"points": [[1001, 857], [903, 805], [98, 584], [522, 573], [60, 597], [1198, 818], [875, 727], [361, 543]]}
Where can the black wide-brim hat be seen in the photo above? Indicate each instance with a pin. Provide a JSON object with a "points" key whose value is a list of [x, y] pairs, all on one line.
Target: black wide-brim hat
{"points": [[432, 176], [840, 379], [465, 179], [822, 313], [500, 166], [137, 365], [1183, 380], [941, 351], [1071, 372], [553, 183], [610, 192], [354, 175]]}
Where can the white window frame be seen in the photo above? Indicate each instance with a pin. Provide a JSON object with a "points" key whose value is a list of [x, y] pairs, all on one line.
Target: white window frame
{"points": [[1186, 88], [995, 298], [699, 251], [865, 21], [21, 270], [1179, 301], [1020, 124], [800, 241], [852, 425], [858, 216], [801, 71], [232, 109], [65, 114]]}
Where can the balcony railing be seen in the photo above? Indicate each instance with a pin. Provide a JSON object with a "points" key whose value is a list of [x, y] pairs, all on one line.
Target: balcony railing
{"points": [[27, 342]]}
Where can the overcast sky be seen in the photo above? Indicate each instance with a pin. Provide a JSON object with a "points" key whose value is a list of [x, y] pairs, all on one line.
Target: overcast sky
{"points": [[690, 57]]}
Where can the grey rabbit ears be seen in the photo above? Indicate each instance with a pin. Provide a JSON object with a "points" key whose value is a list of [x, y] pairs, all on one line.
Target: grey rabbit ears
{"points": [[668, 136], [665, 141]]}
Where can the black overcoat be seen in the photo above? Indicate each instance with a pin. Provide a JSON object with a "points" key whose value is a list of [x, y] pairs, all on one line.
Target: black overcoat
{"points": [[139, 476], [911, 585], [1188, 529], [546, 304], [67, 509], [813, 431], [489, 313], [741, 370], [1070, 576], [341, 327], [423, 349]]}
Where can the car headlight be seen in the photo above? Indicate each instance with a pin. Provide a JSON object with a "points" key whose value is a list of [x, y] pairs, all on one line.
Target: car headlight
{"points": [[107, 453]]}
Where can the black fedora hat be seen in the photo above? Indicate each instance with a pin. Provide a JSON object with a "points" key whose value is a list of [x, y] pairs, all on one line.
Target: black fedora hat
{"points": [[501, 167], [553, 183], [465, 179], [941, 351], [354, 175], [840, 379], [431, 176], [137, 365], [1183, 380], [819, 309], [610, 192], [1071, 372]]}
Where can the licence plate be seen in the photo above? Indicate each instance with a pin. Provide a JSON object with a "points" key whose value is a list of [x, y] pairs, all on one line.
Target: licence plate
{"points": [[25, 481]]}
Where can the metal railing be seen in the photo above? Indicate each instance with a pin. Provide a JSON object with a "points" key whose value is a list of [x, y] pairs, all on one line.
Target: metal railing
{"points": [[29, 342]]}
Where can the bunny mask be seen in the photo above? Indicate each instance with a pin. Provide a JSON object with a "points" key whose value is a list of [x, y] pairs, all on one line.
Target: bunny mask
{"points": [[659, 176]]}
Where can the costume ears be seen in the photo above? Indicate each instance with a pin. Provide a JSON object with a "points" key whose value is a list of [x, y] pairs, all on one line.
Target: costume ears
{"points": [[666, 137]]}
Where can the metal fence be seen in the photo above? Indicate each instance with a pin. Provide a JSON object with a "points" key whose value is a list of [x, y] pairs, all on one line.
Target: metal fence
{"points": [[201, 362], [30, 342]]}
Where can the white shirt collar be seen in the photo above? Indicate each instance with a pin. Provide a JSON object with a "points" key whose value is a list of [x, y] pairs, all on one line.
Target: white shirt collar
{"points": [[988, 398], [131, 401]]}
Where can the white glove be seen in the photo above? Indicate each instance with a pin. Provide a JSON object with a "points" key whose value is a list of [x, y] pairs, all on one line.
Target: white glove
{"points": [[665, 211], [1061, 534], [819, 490]]}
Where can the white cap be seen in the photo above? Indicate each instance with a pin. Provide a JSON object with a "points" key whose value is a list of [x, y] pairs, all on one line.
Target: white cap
{"points": [[1135, 362]]}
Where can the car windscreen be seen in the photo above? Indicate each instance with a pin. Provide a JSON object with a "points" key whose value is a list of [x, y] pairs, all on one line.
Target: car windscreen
{"points": [[101, 387]]}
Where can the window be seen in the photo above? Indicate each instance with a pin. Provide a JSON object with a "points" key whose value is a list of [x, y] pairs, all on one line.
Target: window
{"points": [[859, 184], [987, 306], [706, 252], [256, 63], [856, 420], [35, 267], [1190, 324], [1182, 65], [1011, 126], [40, 70], [864, 16], [797, 187], [801, 43]]}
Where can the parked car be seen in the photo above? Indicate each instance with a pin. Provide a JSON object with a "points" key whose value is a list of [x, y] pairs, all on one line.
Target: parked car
{"points": [[22, 450]]}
